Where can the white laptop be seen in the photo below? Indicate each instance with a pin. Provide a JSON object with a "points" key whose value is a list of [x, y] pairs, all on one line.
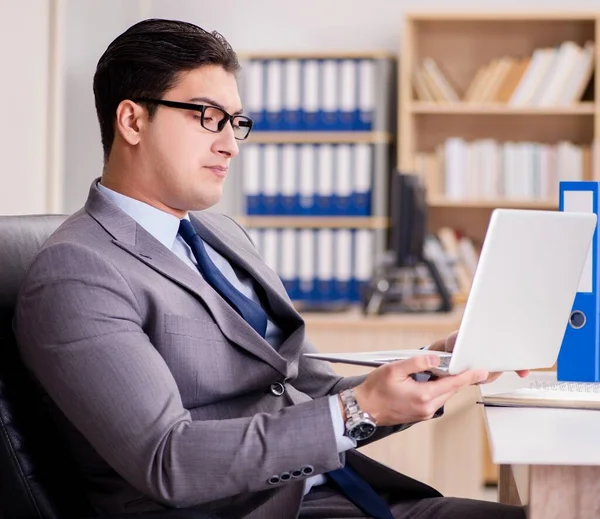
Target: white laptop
{"points": [[532, 264]]}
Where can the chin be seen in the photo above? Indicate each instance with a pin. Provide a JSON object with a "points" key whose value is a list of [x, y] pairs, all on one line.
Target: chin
{"points": [[204, 202]]}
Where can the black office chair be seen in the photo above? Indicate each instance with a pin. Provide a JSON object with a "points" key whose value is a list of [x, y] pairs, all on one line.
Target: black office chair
{"points": [[37, 479]]}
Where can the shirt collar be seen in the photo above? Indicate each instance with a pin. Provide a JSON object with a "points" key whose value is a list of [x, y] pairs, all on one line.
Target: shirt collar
{"points": [[160, 224]]}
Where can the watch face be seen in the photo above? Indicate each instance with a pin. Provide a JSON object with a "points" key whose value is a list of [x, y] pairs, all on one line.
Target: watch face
{"points": [[362, 430]]}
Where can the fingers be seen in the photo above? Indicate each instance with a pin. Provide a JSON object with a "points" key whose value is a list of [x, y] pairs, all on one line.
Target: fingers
{"points": [[439, 345], [446, 344], [450, 342], [430, 407], [492, 377], [416, 364], [458, 382], [453, 383], [439, 402]]}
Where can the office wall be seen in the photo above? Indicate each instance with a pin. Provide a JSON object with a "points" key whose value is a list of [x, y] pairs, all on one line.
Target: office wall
{"points": [[327, 24], [89, 25], [24, 81]]}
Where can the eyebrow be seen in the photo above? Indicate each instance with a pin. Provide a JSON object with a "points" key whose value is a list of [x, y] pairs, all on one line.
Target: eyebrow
{"points": [[212, 102]]}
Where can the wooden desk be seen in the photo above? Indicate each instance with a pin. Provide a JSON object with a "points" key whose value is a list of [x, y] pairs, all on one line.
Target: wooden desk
{"points": [[549, 458], [445, 453]]}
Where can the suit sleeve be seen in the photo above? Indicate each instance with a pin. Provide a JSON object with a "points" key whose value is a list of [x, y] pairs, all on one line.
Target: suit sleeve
{"points": [[80, 332], [316, 379]]}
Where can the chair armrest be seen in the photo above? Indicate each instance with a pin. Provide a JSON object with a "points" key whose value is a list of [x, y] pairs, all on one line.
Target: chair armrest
{"points": [[172, 513]]}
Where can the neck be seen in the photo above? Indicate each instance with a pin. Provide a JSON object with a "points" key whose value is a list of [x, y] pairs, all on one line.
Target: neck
{"points": [[127, 182]]}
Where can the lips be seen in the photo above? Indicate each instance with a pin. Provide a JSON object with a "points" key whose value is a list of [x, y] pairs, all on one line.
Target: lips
{"points": [[220, 171]]}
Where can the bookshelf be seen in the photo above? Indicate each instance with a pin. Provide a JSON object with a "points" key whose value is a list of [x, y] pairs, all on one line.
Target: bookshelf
{"points": [[463, 44], [326, 117], [312, 222], [421, 107], [374, 137], [440, 202]]}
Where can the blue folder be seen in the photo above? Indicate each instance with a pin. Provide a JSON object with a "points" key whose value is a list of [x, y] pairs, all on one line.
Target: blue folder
{"points": [[579, 357]]}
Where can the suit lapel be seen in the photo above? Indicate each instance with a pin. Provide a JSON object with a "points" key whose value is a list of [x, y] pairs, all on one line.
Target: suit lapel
{"points": [[134, 239], [244, 255]]}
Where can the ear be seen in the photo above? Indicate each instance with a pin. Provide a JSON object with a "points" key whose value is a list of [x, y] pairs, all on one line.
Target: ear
{"points": [[131, 118]]}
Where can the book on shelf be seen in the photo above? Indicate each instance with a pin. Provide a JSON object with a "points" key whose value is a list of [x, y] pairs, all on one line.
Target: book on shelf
{"points": [[316, 161], [308, 179], [450, 242], [489, 169], [421, 85], [318, 266], [438, 82], [550, 77], [455, 256], [431, 84], [511, 80], [488, 81], [318, 95], [563, 395]]}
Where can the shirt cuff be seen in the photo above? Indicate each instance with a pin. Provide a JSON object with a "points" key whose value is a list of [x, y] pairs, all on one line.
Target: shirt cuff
{"points": [[342, 441]]}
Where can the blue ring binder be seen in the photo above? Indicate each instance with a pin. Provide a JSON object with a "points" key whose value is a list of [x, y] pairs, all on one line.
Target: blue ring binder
{"points": [[579, 357]]}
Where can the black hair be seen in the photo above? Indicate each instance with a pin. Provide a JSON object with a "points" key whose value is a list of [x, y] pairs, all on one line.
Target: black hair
{"points": [[145, 61]]}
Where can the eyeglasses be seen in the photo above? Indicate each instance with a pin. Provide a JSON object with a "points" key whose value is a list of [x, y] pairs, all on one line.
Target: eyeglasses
{"points": [[212, 118]]}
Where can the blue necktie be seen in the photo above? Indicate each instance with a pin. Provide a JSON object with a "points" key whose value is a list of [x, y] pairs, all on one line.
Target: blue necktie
{"points": [[360, 493], [349, 482], [252, 312]]}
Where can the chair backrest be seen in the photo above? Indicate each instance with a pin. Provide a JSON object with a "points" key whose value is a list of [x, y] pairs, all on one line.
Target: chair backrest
{"points": [[37, 479]]}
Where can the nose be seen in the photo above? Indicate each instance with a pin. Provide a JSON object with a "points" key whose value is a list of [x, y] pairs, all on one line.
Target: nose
{"points": [[226, 143]]}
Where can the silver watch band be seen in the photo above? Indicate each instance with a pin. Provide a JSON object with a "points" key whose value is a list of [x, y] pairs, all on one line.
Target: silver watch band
{"points": [[359, 425], [353, 411]]}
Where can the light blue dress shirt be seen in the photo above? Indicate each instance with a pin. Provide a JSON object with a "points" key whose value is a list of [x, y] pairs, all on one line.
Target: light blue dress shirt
{"points": [[164, 227]]}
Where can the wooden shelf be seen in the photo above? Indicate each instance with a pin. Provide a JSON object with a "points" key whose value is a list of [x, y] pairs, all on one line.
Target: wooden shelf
{"points": [[420, 107], [461, 43], [338, 222], [439, 201], [319, 137], [495, 16], [396, 322]]}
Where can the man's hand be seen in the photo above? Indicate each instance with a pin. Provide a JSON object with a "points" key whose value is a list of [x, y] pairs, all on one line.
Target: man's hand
{"points": [[447, 345], [392, 397]]}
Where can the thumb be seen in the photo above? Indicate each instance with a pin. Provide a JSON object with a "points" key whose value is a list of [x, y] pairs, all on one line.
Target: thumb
{"points": [[416, 364]]}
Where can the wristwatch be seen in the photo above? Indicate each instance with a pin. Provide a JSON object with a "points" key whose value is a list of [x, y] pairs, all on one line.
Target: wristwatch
{"points": [[359, 424]]}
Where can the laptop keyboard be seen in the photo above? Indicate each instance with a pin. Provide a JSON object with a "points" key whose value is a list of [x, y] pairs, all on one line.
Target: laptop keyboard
{"points": [[444, 361]]}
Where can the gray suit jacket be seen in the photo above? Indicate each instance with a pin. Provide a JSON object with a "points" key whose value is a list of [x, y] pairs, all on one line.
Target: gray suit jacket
{"points": [[162, 389]]}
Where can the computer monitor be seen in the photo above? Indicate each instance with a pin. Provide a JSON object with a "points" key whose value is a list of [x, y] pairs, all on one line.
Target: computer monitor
{"points": [[408, 226], [406, 257]]}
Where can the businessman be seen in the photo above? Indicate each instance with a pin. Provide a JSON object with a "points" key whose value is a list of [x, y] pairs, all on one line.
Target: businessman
{"points": [[171, 352]]}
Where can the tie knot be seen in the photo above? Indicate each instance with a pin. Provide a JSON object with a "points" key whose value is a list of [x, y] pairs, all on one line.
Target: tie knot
{"points": [[186, 229]]}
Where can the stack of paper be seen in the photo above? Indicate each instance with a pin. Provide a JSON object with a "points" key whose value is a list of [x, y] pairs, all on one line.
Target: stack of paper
{"points": [[559, 395]]}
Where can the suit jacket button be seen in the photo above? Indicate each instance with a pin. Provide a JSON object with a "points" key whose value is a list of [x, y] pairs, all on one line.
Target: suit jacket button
{"points": [[308, 470], [285, 476], [273, 480], [297, 473], [277, 389]]}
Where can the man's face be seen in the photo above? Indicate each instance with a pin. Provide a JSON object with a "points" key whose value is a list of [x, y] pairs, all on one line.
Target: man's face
{"points": [[187, 164]]}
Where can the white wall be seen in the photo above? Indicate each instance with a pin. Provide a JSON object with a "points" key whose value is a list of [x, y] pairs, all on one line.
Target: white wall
{"points": [[327, 24], [23, 109], [90, 25]]}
